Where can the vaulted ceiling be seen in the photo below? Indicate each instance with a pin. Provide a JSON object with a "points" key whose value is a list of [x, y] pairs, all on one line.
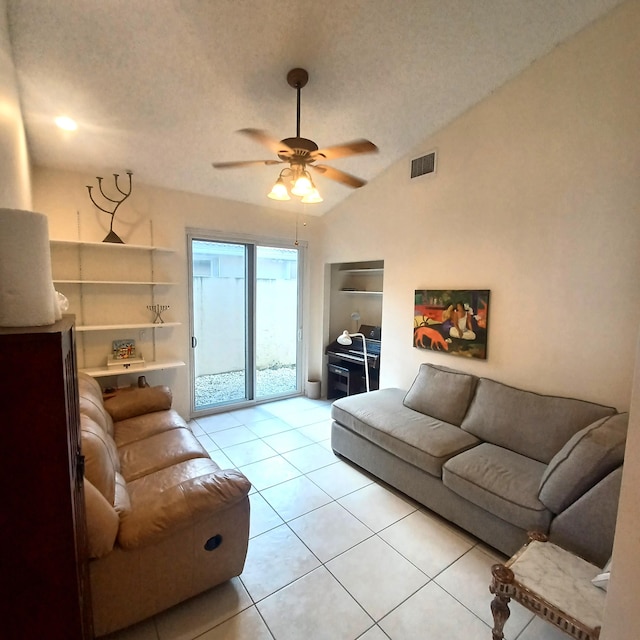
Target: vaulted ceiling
{"points": [[160, 87]]}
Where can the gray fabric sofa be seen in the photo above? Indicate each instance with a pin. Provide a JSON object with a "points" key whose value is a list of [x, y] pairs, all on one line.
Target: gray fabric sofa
{"points": [[495, 460]]}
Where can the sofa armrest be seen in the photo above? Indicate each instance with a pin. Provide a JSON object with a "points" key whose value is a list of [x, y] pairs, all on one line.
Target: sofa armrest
{"points": [[102, 522], [136, 402], [181, 505], [588, 526]]}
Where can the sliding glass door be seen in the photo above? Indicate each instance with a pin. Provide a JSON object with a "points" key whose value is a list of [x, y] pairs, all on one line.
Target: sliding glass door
{"points": [[276, 321], [245, 309]]}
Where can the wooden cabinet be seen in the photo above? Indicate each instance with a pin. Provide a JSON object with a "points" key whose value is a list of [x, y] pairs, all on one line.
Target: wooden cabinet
{"points": [[42, 522]]}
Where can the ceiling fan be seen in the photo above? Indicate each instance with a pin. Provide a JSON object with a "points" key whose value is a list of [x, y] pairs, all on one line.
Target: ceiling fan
{"points": [[302, 154]]}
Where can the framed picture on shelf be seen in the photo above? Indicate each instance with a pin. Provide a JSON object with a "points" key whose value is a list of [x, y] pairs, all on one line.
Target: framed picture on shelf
{"points": [[453, 321], [123, 349]]}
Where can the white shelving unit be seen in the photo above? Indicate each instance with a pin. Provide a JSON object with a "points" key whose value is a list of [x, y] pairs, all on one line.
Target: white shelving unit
{"points": [[103, 372], [110, 245], [133, 327], [110, 282], [361, 281], [356, 295], [82, 266]]}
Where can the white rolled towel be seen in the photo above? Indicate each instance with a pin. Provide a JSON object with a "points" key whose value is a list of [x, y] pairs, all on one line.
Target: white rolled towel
{"points": [[27, 294]]}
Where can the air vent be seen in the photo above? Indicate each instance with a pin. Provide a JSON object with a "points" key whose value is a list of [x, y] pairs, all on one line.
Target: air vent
{"points": [[423, 165]]}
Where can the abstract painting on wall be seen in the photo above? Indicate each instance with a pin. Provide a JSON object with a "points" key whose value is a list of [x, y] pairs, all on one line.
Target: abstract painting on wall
{"points": [[452, 321]]}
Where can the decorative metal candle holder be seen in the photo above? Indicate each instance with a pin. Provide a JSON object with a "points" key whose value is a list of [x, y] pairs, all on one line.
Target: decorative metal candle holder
{"points": [[112, 236], [158, 309]]}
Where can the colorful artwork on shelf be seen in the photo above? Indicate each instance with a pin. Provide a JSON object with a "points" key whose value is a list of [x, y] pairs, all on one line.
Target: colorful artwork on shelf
{"points": [[123, 349], [452, 321]]}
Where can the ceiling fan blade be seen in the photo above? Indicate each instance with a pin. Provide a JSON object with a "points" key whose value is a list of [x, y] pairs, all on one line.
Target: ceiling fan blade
{"points": [[242, 163], [355, 147], [339, 176], [266, 139]]}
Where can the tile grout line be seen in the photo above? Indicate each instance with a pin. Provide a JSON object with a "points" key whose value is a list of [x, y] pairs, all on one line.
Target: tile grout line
{"points": [[333, 500], [373, 534]]}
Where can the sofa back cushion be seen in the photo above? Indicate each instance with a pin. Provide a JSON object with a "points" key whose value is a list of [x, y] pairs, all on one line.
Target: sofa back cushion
{"points": [[94, 408], [534, 425], [101, 460], [88, 384], [91, 402], [139, 402], [441, 393], [588, 456]]}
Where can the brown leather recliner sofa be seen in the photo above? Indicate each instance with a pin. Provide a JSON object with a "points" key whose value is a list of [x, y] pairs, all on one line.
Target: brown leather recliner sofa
{"points": [[164, 521]]}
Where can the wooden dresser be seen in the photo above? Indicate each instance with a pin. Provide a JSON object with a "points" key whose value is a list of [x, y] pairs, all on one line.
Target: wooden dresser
{"points": [[42, 522]]}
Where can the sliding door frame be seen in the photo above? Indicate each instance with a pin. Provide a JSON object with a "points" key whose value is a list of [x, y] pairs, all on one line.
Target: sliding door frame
{"points": [[250, 289]]}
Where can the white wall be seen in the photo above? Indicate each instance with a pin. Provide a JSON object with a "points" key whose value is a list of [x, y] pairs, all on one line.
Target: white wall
{"points": [[622, 615], [537, 198], [15, 180], [63, 197]]}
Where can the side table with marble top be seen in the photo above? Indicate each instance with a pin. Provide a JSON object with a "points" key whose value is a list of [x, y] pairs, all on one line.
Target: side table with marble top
{"points": [[552, 583]]}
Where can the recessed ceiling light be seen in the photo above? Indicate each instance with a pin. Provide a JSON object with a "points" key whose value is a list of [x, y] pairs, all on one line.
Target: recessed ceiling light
{"points": [[68, 124]]}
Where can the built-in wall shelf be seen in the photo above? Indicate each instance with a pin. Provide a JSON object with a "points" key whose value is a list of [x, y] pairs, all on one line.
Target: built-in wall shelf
{"points": [[364, 271], [356, 297], [103, 372], [112, 289], [356, 292], [114, 327], [111, 245], [361, 278], [120, 282]]}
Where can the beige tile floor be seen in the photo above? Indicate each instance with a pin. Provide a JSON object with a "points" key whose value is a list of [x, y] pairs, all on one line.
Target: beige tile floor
{"points": [[333, 554]]}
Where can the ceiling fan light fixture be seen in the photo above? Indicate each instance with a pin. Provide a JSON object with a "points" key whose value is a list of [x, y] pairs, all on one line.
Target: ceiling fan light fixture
{"points": [[279, 191], [312, 197], [302, 185], [300, 153], [66, 123]]}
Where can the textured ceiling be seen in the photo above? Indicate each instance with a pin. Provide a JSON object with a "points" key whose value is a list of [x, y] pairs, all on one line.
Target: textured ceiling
{"points": [[160, 86]]}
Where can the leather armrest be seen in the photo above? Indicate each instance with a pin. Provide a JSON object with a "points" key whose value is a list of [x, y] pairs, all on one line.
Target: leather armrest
{"points": [[136, 402], [102, 522], [180, 505]]}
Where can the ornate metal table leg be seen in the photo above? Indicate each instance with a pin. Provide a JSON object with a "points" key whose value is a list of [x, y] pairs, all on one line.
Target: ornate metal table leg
{"points": [[502, 578]]}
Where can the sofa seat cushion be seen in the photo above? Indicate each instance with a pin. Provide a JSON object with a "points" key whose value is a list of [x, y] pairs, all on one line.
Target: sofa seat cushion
{"points": [[441, 393], [420, 440], [157, 452], [589, 456], [501, 482], [176, 497], [534, 425], [141, 427]]}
